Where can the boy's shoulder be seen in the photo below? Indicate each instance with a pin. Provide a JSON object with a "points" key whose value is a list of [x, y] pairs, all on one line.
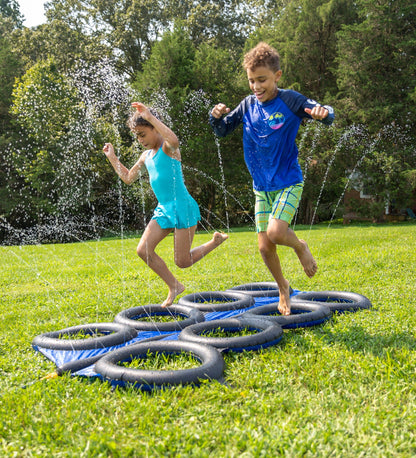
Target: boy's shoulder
{"points": [[291, 95]]}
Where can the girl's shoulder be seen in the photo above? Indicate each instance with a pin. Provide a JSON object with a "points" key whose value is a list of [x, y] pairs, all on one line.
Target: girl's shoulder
{"points": [[173, 153]]}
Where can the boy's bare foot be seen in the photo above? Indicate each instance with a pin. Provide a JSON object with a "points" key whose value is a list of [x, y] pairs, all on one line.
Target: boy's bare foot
{"points": [[284, 299], [179, 288], [306, 259], [219, 237]]}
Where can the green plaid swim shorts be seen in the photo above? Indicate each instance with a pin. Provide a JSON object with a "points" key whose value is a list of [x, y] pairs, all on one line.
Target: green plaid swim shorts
{"points": [[281, 204]]}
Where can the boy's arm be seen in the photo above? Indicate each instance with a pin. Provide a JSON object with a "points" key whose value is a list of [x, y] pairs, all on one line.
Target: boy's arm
{"points": [[223, 126], [126, 175], [307, 108], [325, 114]]}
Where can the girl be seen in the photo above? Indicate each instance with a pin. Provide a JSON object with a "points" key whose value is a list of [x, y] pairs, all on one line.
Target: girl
{"points": [[176, 210]]}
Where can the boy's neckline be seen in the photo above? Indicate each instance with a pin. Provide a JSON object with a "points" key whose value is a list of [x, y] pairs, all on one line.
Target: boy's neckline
{"points": [[267, 102]]}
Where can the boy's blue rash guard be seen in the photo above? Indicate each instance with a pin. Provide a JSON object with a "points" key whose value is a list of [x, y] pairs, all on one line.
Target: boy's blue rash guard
{"points": [[270, 129]]}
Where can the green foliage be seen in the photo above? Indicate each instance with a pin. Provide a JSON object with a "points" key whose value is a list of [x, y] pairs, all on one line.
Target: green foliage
{"points": [[376, 63], [304, 33], [10, 67], [345, 388], [10, 9], [185, 57], [44, 103]]}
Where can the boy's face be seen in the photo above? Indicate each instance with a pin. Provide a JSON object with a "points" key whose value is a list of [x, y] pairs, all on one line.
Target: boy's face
{"points": [[263, 82], [147, 136]]}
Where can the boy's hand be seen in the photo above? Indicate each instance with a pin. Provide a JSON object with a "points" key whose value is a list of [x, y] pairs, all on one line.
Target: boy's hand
{"points": [[317, 112], [108, 149], [219, 110]]}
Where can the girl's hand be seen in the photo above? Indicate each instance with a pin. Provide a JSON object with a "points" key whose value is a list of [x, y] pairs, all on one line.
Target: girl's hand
{"points": [[219, 110], [317, 112], [108, 149], [142, 109]]}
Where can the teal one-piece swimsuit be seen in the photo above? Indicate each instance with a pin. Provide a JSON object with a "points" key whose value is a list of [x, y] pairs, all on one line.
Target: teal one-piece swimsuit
{"points": [[176, 207]]}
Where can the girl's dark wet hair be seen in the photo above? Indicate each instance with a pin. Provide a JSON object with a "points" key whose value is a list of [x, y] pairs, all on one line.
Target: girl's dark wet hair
{"points": [[136, 119]]}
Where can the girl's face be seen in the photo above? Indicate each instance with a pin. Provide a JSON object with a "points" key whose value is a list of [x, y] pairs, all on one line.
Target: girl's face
{"points": [[148, 137], [263, 82]]}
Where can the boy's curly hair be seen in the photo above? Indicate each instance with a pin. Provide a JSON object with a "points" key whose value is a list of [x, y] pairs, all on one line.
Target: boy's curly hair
{"points": [[136, 119], [262, 55]]}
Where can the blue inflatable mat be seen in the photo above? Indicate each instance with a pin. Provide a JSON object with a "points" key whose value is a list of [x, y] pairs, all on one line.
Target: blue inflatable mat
{"points": [[61, 357]]}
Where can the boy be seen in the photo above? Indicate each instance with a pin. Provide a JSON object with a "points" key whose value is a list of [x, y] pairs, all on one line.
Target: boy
{"points": [[271, 118]]}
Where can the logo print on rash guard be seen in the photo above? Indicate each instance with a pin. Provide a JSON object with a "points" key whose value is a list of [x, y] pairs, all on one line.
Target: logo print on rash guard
{"points": [[276, 121]]}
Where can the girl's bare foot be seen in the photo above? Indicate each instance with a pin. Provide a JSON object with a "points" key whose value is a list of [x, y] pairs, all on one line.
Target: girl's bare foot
{"points": [[178, 289], [306, 259], [284, 299], [218, 238]]}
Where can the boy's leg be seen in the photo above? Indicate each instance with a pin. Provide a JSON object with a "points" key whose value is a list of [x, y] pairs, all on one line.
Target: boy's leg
{"points": [[280, 233], [151, 237], [184, 256], [271, 259], [286, 202], [263, 208]]}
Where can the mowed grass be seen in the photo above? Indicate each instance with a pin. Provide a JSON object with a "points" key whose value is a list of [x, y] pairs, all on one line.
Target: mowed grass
{"points": [[343, 389]]}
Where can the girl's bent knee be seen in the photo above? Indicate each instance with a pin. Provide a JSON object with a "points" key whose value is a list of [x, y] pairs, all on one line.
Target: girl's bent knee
{"points": [[141, 252], [183, 263]]}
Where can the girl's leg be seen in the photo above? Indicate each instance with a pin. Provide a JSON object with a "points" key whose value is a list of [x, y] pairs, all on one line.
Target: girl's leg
{"points": [[268, 252], [280, 233], [151, 237], [184, 256]]}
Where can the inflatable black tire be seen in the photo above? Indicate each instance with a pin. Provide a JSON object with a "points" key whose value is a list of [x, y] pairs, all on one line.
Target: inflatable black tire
{"points": [[120, 334], [258, 289], [131, 317], [78, 364], [270, 333], [212, 366], [336, 301], [229, 301], [303, 314]]}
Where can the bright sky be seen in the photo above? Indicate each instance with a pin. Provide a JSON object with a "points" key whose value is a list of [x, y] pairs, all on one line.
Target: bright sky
{"points": [[33, 12]]}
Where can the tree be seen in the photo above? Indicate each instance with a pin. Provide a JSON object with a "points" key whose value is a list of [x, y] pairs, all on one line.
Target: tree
{"points": [[10, 68], [304, 33], [174, 79], [10, 9], [377, 64], [126, 27]]}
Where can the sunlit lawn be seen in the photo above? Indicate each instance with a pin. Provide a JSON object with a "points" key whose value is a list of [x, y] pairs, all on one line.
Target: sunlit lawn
{"points": [[346, 388]]}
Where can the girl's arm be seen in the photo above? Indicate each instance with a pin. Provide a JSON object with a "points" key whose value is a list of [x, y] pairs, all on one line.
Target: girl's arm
{"points": [[128, 176], [171, 142]]}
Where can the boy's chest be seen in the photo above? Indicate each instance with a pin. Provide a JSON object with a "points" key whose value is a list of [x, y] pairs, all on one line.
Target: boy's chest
{"points": [[270, 119]]}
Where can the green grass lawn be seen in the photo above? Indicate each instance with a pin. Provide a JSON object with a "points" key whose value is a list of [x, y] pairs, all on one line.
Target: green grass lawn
{"points": [[343, 389]]}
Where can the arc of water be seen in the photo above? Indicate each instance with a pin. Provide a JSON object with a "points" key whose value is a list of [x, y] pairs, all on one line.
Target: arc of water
{"points": [[223, 182], [352, 173], [345, 136], [200, 172]]}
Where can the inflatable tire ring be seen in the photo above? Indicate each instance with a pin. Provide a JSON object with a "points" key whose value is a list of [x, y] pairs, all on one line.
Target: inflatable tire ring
{"points": [[212, 366], [120, 334], [304, 314], [336, 301], [131, 317], [230, 301], [258, 289], [270, 333]]}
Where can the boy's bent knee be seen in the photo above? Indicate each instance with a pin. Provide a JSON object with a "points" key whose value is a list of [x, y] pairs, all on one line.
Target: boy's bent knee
{"points": [[266, 248], [277, 234]]}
